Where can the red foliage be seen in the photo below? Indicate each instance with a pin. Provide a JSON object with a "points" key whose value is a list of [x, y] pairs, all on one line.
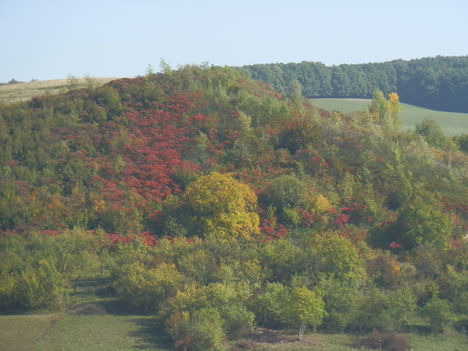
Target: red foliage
{"points": [[48, 232], [157, 141], [395, 245], [271, 231], [342, 219]]}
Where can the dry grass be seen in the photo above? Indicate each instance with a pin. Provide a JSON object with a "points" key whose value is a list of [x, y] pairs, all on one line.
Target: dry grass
{"points": [[24, 91]]}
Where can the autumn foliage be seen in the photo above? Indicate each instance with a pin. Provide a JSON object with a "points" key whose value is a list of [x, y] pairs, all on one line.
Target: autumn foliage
{"points": [[208, 199]]}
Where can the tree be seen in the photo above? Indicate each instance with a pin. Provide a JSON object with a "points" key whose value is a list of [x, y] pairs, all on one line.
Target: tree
{"points": [[307, 308], [461, 141], [285, 191], [223, 207], [431, 132], [272, 305], [385, 110], [439, 313], [421, 221], [336, 256]]}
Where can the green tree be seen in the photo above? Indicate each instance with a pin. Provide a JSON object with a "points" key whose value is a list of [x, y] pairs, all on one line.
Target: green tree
{"points": [[422, 221], [334, 256], [439, 314], [431, 132], [306, 308], [285, 191], [342, 303], [271, 307]]}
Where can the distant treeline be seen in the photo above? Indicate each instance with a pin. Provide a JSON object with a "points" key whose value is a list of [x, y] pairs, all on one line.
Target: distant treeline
{"points": [[439, 83]]}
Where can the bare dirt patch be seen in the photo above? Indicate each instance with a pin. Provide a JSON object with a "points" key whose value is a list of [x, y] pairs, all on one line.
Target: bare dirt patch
{"points": [[269, 339], [89, 309]]}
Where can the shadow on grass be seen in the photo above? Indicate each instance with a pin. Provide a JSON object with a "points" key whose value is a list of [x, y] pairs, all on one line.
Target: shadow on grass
{"points": [[97, 293], [151, 334]]}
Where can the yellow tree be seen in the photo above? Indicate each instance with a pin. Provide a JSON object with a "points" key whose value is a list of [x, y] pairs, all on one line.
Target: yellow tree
{"points": [[386, 111], [223, 207]]}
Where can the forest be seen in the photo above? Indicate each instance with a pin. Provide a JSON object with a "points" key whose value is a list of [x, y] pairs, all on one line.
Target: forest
{"points": [[219, 205], [437, 83]]}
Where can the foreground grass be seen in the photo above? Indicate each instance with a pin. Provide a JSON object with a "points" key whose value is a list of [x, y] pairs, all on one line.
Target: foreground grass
{"points": [[21, 332], [345, 342], [103, 332], [24, 91], [67, 332], [104, 325], [452, 123], [71, 332]]}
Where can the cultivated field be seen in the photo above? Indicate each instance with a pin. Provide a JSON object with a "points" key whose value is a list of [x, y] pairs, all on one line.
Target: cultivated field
{"points": [[24, 91], [452, 123]]}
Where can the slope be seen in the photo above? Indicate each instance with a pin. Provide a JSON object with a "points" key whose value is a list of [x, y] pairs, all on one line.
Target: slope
{"points": [[452, 123]]}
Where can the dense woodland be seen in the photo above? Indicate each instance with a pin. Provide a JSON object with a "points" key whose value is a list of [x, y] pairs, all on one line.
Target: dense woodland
{"points": [[436, 82], [213, 202]]}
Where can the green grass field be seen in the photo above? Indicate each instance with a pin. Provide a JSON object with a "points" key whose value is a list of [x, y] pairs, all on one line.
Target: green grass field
{"points": [[24, 91], [345, 342], [69, 332], [105, 326], [452, 123]]}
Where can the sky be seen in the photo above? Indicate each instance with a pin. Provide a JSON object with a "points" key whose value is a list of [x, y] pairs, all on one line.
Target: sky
{"points": [[47, 39]]}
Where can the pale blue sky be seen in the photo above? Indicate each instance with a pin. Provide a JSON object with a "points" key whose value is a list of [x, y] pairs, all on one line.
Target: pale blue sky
{"points": [[47, 39]]}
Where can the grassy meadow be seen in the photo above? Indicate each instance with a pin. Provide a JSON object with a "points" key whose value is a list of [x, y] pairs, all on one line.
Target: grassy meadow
{"points": [[94, 320], [24, 91], [66, 331], [452, 123]]}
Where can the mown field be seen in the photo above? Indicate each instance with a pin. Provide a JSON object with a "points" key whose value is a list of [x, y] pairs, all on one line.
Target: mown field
{"points": [[452, 123], [23, 91]]}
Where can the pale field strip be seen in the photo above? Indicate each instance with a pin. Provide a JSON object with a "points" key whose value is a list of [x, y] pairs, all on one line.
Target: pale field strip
{"points": [[24, 91]]}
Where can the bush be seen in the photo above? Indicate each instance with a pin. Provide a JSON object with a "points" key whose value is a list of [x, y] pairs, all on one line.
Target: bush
{"points": [[201, 330], [385, 311], [146, 288], [341, 304], [290, 217], [285, 191], [238, 321], [382, 341], [439, 314], [271, 305]]}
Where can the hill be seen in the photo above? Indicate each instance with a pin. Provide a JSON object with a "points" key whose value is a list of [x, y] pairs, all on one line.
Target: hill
{"points": [[438, 83], [212, 205], [25, 91], [450, 122]]}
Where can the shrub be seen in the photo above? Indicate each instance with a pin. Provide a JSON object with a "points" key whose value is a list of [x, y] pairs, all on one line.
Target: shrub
{"points": [[439, 314], [201, 330], [341, 304], [385, 311], [420, 221], [382, 341], [290, 216], [238, 321], [285, 191], [270, 306], [147, 288]]}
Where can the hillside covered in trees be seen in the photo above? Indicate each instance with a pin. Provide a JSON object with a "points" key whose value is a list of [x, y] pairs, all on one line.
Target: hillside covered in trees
{"points": [[215, 203], [439, 83]]}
